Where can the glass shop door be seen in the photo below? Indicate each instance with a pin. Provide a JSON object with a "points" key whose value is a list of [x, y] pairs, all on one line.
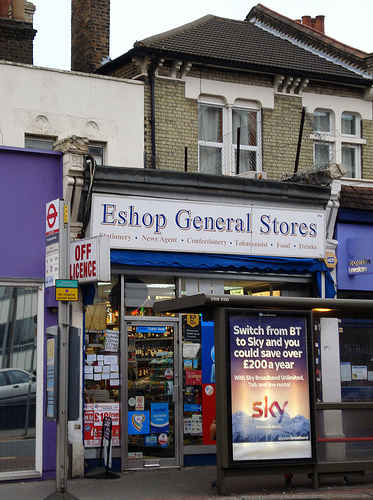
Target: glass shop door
{"points": [[150, 411]]}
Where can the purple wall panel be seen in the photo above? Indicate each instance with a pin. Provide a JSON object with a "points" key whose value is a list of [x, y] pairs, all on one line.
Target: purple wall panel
{"points": [[28, 180]]}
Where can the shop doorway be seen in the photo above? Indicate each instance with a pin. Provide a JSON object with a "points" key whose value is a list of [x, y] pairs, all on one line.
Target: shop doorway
{"points": [[150, 416]]}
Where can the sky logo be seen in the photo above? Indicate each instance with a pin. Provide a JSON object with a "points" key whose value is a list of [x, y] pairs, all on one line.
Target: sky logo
{"points": [[264, 409]]}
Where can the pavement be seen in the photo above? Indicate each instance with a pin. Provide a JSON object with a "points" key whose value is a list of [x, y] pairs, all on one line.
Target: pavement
{"points": [[192, 483]]}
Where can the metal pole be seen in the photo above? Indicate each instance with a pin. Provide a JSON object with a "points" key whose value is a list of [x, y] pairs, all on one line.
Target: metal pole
{"points": [[64, 323], [63, 360], [238, 150]]}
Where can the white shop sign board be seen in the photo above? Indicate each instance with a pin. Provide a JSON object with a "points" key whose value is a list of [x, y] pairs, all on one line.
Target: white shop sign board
{"points": [[90, 259], [141, 223]]}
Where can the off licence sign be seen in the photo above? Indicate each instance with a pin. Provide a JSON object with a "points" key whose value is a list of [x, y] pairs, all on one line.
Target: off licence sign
{"points": [[90, 259]]}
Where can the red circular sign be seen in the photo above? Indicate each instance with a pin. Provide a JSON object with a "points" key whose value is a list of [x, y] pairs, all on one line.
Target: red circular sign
{"points": [[51, 215]]}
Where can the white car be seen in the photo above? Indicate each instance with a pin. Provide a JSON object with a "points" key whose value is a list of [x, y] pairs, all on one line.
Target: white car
{"points": [[16, 386]]}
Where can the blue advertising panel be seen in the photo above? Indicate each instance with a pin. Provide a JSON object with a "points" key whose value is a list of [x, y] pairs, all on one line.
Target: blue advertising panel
{"points": [[160, 417], [269, 386], [360, 255], [208, 353]]}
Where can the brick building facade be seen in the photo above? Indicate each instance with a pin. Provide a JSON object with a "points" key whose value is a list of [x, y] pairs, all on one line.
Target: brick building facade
{"points": [[277, 84]]}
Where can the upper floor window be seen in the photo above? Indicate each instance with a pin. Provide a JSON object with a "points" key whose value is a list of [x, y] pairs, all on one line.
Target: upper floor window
{"points": [[228, 139], [42, 142], [322, 120], [97, 151], [36, 142], [210, 138], [338, 139], [245, 139], [349, 124]]}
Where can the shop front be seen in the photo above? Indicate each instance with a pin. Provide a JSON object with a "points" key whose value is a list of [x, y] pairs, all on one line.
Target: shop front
{"points": [[155, 373], [24, 311]]}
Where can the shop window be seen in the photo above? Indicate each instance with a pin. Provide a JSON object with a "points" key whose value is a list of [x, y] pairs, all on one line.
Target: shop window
{"points": [[101, 368], [18, 330], [356, 357], [140, 293], [198, 381]]}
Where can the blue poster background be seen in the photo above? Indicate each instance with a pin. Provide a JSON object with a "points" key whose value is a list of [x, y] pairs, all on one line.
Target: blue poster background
{"points": [[208, 352], [138, 422], [160, 417]]}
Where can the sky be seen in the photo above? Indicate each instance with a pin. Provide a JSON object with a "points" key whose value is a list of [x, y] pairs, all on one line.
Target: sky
{"points": [[346, 21]]}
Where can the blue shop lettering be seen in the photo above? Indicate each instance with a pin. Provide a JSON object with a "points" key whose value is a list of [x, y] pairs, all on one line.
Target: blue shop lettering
{"points": [[287, 228], [185, 221], [131, 218]]}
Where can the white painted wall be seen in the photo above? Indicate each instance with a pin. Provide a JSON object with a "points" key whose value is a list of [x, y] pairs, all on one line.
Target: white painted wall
{"points": [[60, 103]]}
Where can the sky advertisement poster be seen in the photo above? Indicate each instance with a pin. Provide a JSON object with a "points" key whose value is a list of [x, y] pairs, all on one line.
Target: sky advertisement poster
{"points": [[269, 387]]}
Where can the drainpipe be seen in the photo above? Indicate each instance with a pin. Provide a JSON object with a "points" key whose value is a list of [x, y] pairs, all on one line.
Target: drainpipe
{"points": [[299, 139], [152, 116]]}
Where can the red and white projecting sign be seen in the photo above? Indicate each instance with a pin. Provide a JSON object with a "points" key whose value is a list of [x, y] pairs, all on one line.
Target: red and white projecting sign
{"points": [[90, 259]]}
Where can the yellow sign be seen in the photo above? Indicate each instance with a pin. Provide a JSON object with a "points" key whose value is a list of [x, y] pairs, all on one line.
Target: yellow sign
{"points": [[65, 213], [67, 294], [193, 320], [330, 260]]}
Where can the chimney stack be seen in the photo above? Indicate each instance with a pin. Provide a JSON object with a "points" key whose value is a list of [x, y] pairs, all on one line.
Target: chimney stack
{"points": [[320, 24], [317, 23], [16, 31], [90, 34]]}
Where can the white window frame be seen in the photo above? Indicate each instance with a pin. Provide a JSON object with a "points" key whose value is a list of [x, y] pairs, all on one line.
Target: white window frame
{"points": [[248, 147], [326, 137], [338, 140], [227, 146], [357, 124], [212, 144], [330, 113], [356, 174], [353, 142]]}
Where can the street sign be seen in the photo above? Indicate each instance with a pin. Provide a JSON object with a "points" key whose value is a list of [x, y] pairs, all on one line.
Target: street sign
{"points": [[52, 230], [67, 290]]}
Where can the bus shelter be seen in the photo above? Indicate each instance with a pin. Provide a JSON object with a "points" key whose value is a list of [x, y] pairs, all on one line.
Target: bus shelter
{"points": [[294, 382]]}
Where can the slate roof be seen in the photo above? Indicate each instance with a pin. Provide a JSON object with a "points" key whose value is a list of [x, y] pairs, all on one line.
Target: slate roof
{"points": [[311, 36], [356, 197], [244, 45]]}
